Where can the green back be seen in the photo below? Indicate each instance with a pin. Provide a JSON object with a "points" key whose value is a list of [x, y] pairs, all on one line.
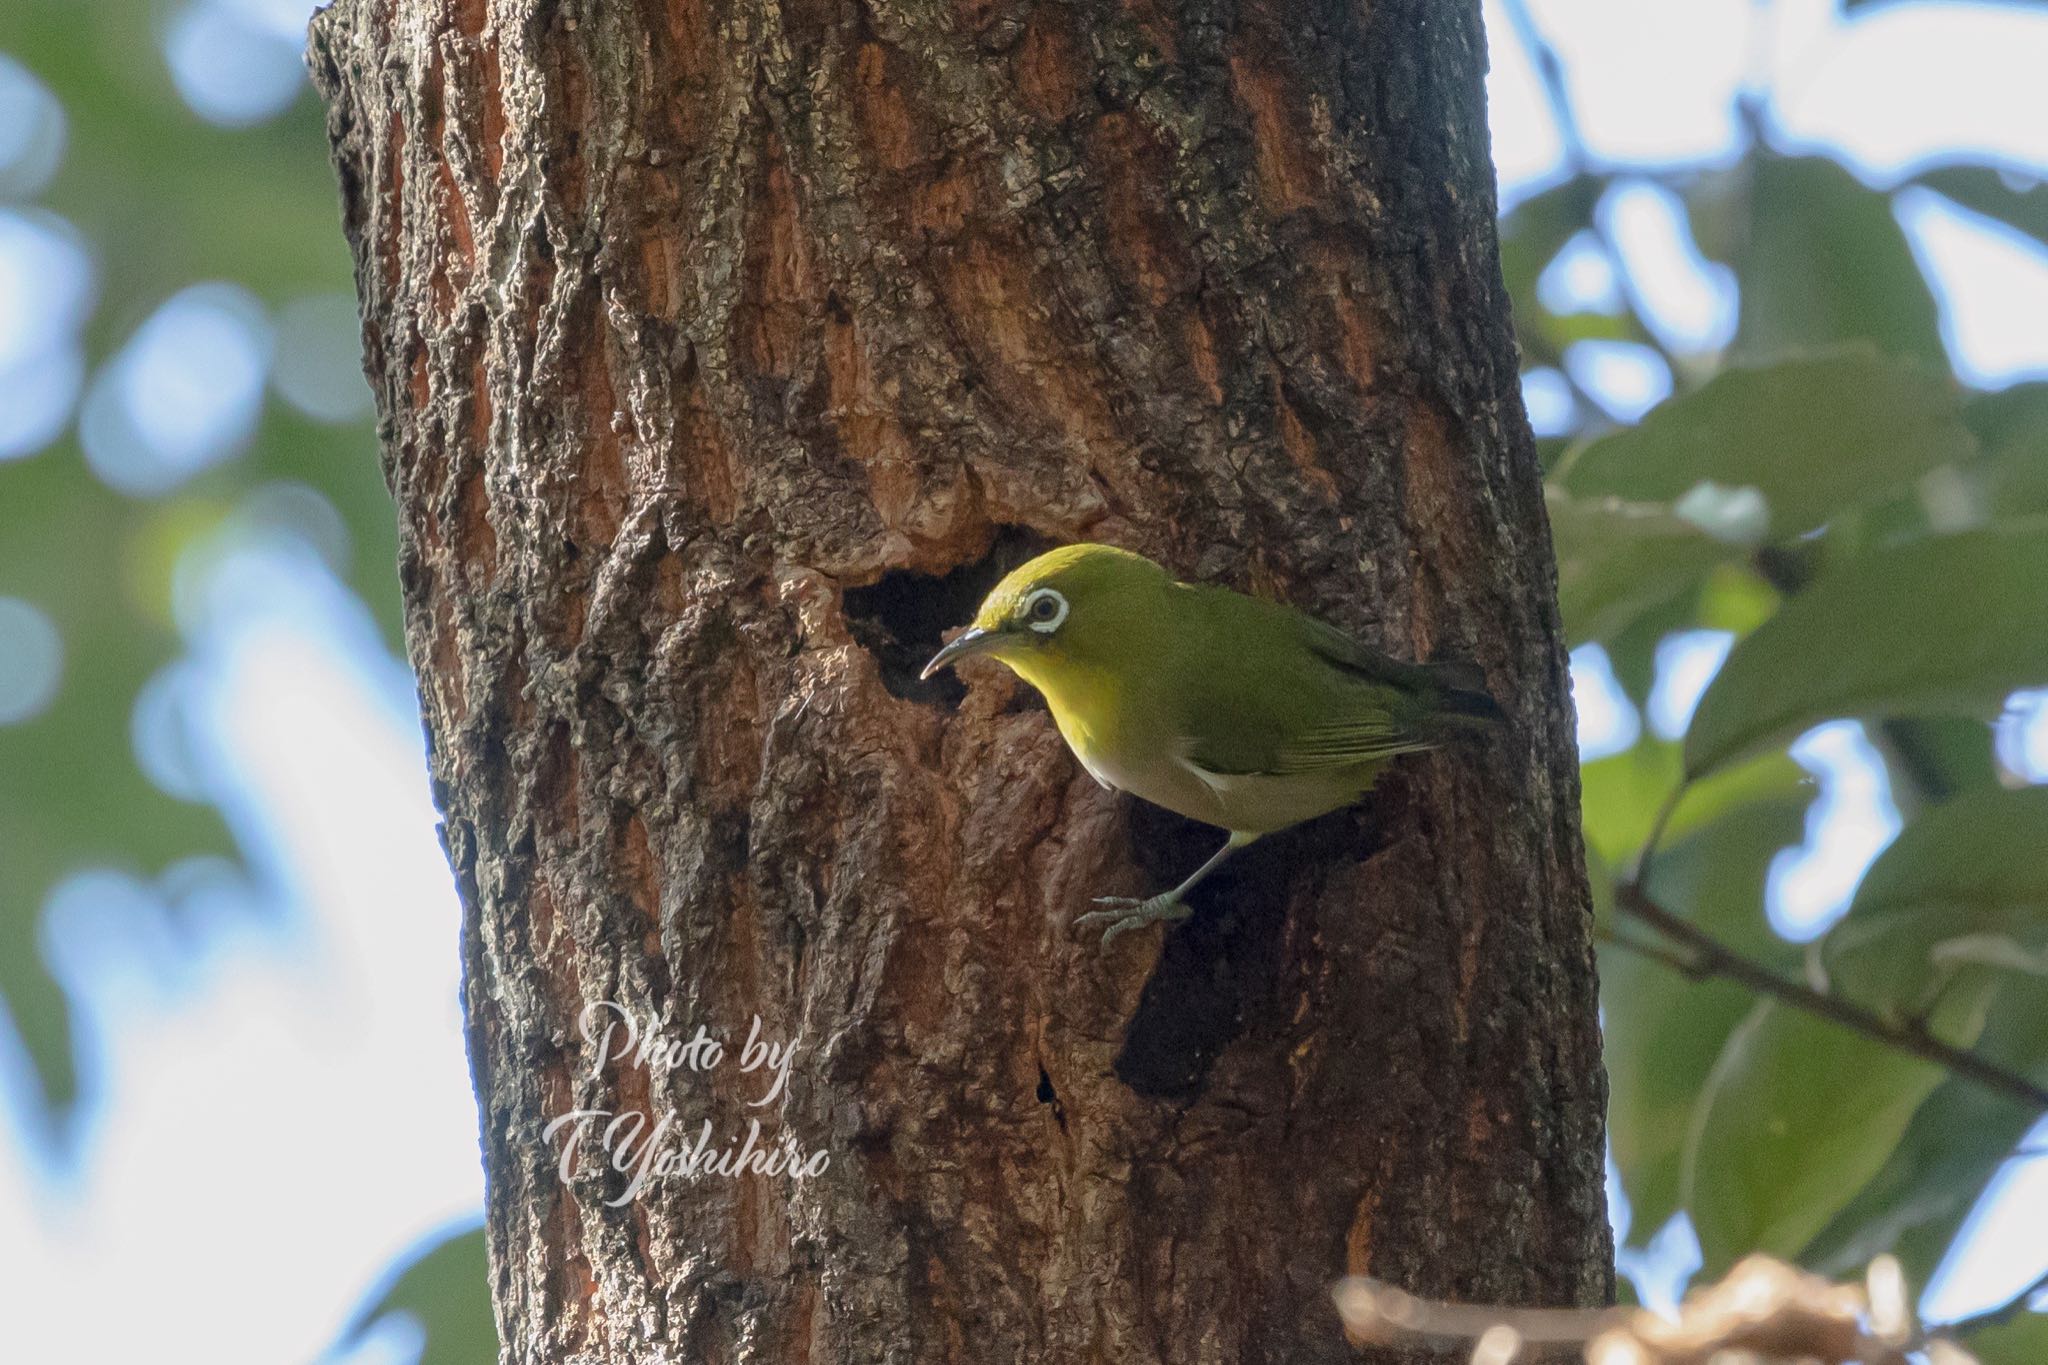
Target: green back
{"points": [[1248, 686]]}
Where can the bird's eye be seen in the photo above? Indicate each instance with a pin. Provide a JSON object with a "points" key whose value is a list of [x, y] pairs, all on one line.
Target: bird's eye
{"points": [[1045, 609]]}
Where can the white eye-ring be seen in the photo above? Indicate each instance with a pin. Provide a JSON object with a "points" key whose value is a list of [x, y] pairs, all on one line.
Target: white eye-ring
{"points": [[1043, 610]]}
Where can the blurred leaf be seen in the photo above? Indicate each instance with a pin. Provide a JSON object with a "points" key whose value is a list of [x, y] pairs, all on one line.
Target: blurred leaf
{"points": [[1717, 206], [1933, 759], [1814, 436], [1824, 262], [1955, 1146], [1616, 560], [165, 199], [1537, 229], [1917, 1202], [1796, 1117], [447, 1288], [1623, 794], [1974, 868], [2015, 1033], [2012, 426], [1823, 1105], [1664, 1031], [1736, 600], [1561, 331], [2002, 951], [2011, 416], [2019, 1340], [1882, 636], [1632, 650], [1986, 191], [75, 796], [1620, 795]]}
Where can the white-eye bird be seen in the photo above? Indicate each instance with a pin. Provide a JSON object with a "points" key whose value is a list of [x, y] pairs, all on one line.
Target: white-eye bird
{"points": [[1244, 714]]}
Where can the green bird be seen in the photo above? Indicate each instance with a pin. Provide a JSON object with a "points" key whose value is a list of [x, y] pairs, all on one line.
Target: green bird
{"points": [[1244, 714]]}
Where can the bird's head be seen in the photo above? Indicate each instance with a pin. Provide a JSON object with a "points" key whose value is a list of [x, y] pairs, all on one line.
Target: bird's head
{"points": [[1063, 606]]}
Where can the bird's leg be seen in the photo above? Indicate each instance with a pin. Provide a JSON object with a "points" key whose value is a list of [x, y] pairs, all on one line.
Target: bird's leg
{"points": [[1128, 912]]}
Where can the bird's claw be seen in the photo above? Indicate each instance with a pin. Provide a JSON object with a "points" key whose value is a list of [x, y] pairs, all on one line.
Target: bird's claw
{"points": [[1129, 912]]}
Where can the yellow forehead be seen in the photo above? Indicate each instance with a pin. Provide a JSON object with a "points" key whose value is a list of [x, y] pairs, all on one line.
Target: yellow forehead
{"points": [[1074, 570]]}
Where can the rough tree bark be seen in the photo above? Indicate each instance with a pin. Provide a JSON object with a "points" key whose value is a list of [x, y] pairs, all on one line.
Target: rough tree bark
{"points": [[725, 351]]}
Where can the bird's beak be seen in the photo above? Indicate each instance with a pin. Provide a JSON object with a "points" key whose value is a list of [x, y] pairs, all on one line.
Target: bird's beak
{"points": [[972, 640]]}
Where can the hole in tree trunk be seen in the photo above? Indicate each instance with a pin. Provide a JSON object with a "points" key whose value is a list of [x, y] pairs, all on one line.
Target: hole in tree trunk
{"points": [[903, 617], [1218, 975], [1048, 1095]]}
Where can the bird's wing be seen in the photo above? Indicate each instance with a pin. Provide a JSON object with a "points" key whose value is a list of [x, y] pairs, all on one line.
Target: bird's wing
{"points": [[1367, 731], [1348, 742], [1350, 703], [1334, 710], [1361, 661]]}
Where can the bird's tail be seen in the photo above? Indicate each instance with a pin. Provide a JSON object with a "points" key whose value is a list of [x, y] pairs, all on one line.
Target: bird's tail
{"points": [[1461, 695]]}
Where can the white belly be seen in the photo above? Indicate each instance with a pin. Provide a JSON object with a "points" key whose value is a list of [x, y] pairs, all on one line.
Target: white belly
{"points": [[1247, 803]]}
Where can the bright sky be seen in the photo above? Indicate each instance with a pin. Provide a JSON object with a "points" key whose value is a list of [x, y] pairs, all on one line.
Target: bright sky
{"points": [[290, 1066], [353, 1115]]}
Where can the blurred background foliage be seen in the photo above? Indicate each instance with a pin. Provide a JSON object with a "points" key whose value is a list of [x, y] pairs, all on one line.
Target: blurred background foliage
{"points": [[1803, 553], [177, 359], [1814, 507]]}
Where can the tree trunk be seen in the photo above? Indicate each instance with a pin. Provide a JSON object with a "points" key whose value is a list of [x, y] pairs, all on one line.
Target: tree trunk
{"points": [[726, 351]]}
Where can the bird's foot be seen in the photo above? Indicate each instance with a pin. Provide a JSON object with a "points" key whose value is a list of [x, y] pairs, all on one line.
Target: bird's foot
{"points": [[1127, 913]]}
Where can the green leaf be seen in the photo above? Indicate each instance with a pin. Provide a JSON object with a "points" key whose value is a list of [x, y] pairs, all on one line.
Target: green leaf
{"points": [[1622, 795], [1567, 329], [1948, 626], [2020, 1340], [1664, 1031], [1736, 600], [2010, 418], [1983, 190], [1936, 758], [1616, 560], [1814, 436], [1972, 870], [2003, 951], [447, 1289], [1977, 861], [1823, 262], [1797, 1115], [2012, 427], [1917, 1202]]}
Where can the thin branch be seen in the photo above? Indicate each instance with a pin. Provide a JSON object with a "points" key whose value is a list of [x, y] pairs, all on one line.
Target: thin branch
{"points": [[1688, 967], [1550, 75], [1579, 160], [1714, 958], [1658, 827]]}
